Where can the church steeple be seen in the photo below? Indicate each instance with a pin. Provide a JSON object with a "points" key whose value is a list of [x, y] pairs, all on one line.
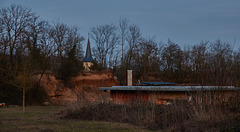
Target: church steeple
{"points": [[88, 56]]}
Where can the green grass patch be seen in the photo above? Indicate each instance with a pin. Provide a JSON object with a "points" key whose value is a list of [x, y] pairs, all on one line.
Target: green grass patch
{"points": [[46, 119]]}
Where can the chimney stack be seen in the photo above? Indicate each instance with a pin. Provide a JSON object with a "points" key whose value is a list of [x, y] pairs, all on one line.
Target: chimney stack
{"points": [[129, 77]]}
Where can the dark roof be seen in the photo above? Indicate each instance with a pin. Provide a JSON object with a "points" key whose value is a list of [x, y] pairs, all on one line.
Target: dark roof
{"points": [[168, 88], [88, 56]]}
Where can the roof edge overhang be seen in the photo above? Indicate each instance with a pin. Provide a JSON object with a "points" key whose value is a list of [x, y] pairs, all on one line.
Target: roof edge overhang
{"points": [[169, 88]]}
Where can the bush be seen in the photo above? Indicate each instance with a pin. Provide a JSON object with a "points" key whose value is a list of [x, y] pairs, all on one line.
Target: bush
{"points": [[141, 114], [36, 95], [10, 94]]}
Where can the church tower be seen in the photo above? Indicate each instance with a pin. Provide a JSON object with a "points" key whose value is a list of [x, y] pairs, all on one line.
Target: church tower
{"points": [[88, 60]]}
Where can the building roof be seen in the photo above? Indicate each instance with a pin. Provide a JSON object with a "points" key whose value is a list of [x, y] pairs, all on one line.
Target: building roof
{"points": [[168, 88], [88, 56], [156, 83]]}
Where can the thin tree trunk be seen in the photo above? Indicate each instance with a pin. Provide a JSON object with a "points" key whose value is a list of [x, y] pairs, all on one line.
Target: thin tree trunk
{"points": [[23, 105]]}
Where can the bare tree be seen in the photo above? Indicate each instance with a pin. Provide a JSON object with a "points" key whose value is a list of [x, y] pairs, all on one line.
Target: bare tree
{"points": [[123, 26], [23, 78], [37, 41], [73, 54], [32, 38], [106, 39], [133, 39], [172, 58], [236, 68], [146, 59], [59, 33], [221, 61], [3, 45], [74, 40], [199, 61], [14, 20], [65, 39]]}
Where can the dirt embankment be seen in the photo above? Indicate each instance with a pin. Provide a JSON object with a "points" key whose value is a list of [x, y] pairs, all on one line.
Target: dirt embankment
{"points": [[83, 87]]}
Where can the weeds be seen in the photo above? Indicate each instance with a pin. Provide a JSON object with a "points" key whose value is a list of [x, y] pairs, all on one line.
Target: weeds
{"points": [[179, 116]]}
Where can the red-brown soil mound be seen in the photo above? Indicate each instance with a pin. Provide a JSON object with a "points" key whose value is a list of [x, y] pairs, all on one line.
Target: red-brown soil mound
{"points": [[82, 87]]}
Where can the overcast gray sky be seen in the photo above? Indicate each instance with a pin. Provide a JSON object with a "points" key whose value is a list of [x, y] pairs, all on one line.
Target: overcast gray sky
{"points": [[185, 22]]}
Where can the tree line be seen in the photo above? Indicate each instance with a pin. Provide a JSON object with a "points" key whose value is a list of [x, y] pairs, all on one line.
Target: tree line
{"points": [[30, 45], [122, 47]]}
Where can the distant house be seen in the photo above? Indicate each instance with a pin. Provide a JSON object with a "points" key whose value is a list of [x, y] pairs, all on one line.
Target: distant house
{"points": [[88, 60], [167, 94]]}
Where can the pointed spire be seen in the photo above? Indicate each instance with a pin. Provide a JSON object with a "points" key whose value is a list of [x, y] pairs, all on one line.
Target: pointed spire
{"points": [[88, 56]]}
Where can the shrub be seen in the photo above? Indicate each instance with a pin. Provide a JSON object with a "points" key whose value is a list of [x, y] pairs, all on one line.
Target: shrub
{"points": [[36, 95], [179, 116]]}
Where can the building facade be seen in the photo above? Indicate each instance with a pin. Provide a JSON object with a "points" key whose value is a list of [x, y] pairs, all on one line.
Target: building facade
{"points": [[168, 94]]}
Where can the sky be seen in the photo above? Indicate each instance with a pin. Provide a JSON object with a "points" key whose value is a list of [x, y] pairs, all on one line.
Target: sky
{"points": [[185, 22]]}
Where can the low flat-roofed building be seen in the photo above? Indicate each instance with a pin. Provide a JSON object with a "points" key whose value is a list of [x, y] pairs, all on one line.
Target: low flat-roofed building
{"points": [[167, 94]]}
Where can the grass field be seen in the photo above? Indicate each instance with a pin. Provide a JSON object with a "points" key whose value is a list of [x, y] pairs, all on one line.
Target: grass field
{"points": [[45, 119]]}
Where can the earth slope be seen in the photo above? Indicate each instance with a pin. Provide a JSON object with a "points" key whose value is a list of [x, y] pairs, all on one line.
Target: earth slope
{"points": [[82, 87]]}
